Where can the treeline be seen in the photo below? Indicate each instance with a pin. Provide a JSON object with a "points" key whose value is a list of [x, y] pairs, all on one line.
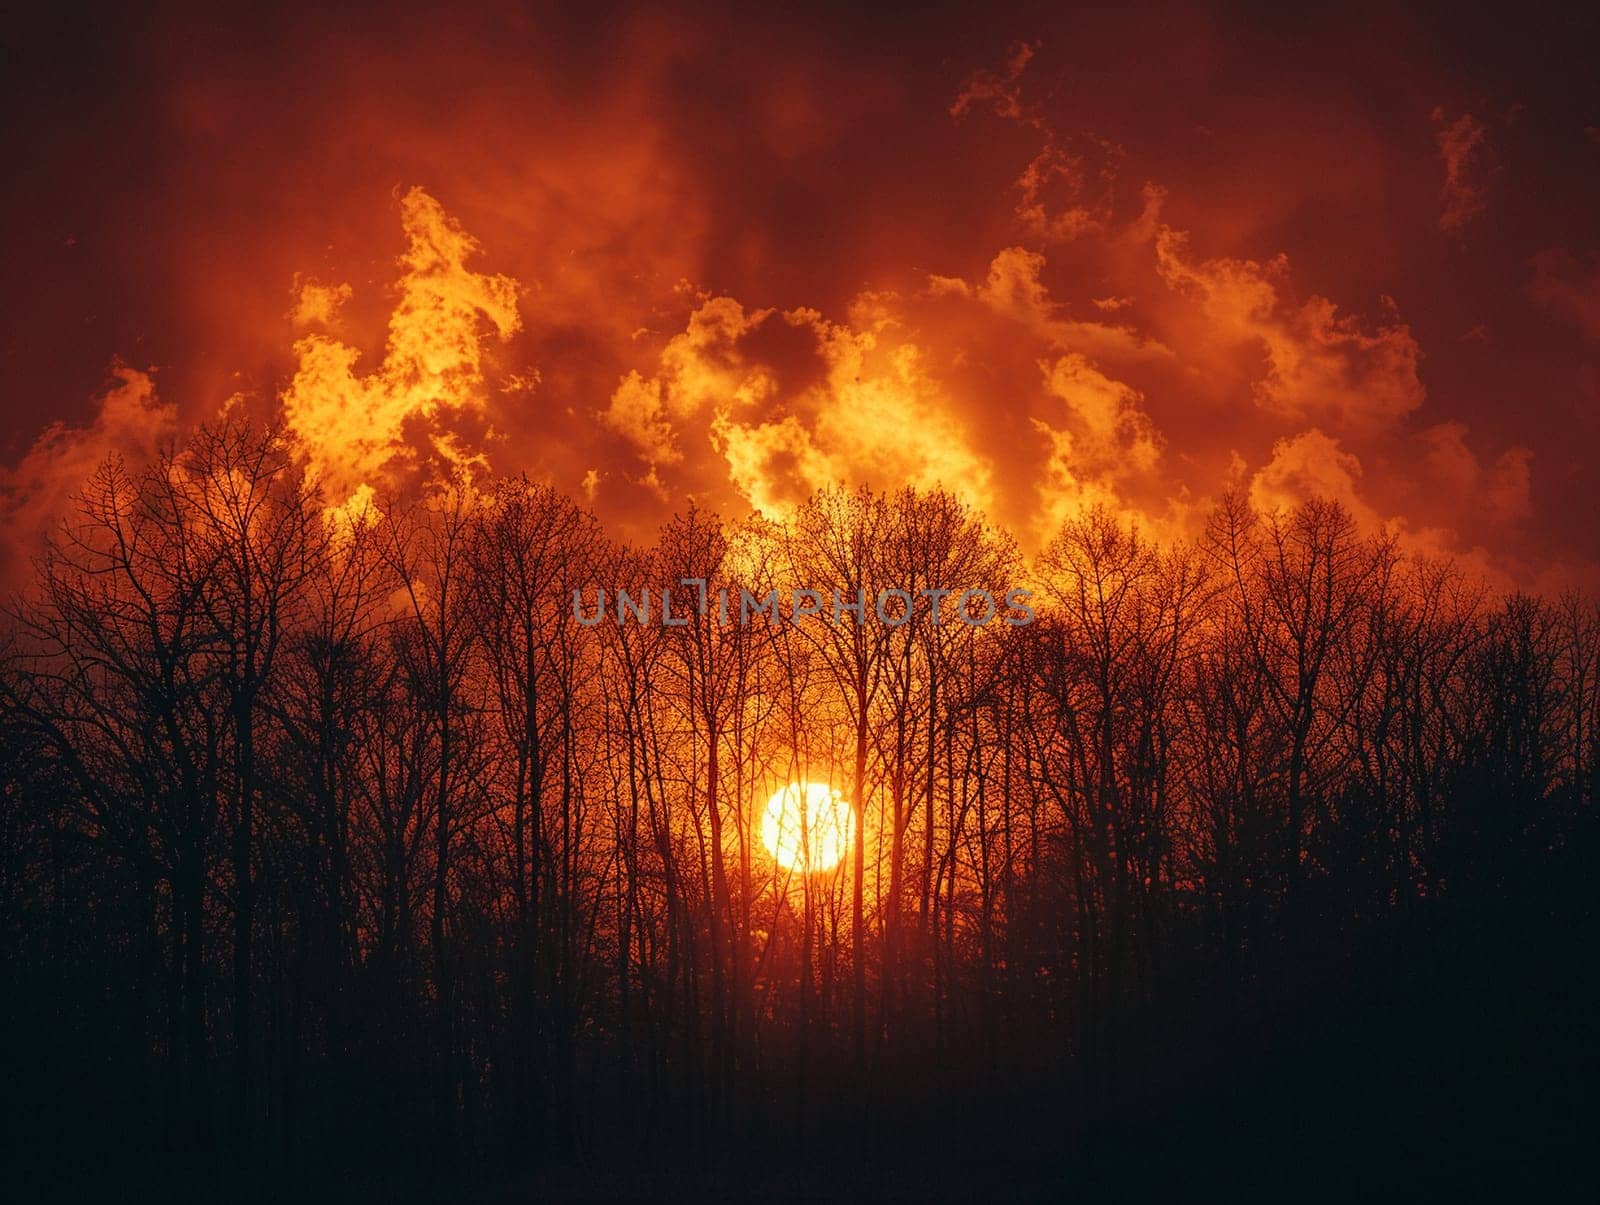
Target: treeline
{"points": [[334, 846]]}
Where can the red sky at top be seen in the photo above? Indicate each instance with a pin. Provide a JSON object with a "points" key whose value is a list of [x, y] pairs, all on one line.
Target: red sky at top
{"points": [[1051, 258]]}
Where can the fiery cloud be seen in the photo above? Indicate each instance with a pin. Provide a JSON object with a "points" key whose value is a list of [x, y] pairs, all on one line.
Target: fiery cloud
{"points": [[1321, 364], [700, 369], [130, 422], [650, 263], [353, 427]]}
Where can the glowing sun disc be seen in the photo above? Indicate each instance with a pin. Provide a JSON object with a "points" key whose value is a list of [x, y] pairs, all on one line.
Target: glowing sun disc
{"points": [[806, 827]]}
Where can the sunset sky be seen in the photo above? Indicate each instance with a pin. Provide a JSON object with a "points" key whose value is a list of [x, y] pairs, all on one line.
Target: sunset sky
{"points": [[1051, 260]]}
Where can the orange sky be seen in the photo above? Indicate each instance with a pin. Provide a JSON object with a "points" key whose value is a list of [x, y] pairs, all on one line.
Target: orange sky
{"points": [[651, 252]]}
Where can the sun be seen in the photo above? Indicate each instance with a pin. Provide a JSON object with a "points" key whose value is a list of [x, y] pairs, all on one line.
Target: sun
{"points": [[806, 827]]}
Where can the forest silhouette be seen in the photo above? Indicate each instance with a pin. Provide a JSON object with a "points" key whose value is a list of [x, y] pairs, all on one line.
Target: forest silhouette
{"points": [[338, 857]]}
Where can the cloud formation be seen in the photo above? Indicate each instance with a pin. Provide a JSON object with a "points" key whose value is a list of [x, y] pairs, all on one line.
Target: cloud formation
{"points": [[129, 422], [1463, 150], [1083, 259], [352, 427]]}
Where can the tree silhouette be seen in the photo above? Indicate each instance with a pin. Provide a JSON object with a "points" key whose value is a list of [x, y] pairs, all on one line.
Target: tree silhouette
{"points": [[335, 844]]}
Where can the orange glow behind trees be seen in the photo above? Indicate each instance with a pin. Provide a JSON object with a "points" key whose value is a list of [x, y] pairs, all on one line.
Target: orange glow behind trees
{"points": [[332, 841]]}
